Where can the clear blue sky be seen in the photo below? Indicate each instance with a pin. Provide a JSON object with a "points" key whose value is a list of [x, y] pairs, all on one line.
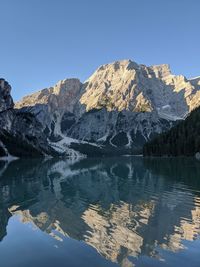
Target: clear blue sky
{"points": [[43, 41]]}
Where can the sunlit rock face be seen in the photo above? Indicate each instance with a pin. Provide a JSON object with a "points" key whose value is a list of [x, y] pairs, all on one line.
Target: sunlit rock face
{"points": [[51, 105], [125, 209], [125, 85], [62, 96], [121, 106]]}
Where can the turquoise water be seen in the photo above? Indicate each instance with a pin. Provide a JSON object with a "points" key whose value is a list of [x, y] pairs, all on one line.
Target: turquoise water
{"points": [[124, 211]]}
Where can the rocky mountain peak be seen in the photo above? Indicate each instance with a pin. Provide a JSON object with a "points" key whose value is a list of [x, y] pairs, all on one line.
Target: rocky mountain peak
{"points": [[126, 85], [111, 87], [161, 71], [125, 63], [6, 101], [116, 66], [61, 96], [64, 86]]}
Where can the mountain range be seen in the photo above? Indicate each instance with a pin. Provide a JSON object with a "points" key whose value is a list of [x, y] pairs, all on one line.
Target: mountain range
{"points": [[117, 110]]}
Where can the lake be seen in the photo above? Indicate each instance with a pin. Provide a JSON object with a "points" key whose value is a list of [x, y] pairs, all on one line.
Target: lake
{"points": [[126, 211]]}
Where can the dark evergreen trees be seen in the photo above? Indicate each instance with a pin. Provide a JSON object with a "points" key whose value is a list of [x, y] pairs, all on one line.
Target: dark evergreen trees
{"points": [[181, 140]]}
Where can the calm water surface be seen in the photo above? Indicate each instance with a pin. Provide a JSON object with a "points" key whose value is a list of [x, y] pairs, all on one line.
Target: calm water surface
{"points": [[100, 212]]}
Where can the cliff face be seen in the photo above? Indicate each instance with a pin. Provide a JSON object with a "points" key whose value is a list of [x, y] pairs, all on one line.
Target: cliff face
{"points": [[6, 104], [51, 104], [6, 101], [20, 132], [125, 85]]}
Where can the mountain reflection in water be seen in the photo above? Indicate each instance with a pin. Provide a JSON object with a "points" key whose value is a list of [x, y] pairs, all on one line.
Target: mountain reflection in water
{"points": [[132, 211]]}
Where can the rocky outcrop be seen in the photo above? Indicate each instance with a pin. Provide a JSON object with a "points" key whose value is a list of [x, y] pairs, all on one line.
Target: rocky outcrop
{"points": [[52, 105], [24, 136], [20, 132], [6, 101], [123, 131], [6, 104]]}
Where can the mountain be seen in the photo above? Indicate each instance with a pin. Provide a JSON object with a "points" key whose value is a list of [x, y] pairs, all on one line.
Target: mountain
{"points": [[125, 85], [181, 140], [117, 110], [20, 132]]}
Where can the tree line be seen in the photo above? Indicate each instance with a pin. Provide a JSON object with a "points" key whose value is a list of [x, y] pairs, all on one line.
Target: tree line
{"points": [[182, 140]]}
